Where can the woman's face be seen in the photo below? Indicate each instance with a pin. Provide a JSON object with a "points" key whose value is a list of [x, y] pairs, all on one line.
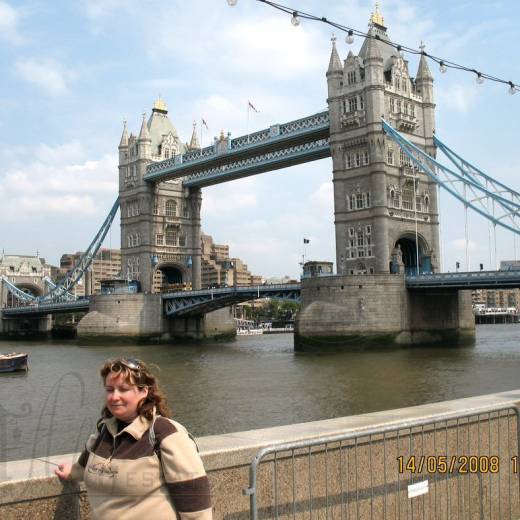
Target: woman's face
{"points": [[122, 398]]}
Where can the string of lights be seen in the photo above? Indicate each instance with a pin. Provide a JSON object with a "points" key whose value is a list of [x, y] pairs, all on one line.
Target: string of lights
{"points": [[444, 64]]}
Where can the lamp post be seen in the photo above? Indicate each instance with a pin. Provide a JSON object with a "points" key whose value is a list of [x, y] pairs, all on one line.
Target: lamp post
{"points": [[154, 260]]}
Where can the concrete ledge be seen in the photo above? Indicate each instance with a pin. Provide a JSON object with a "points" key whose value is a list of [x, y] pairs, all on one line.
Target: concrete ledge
{"points": [[29, 487]]}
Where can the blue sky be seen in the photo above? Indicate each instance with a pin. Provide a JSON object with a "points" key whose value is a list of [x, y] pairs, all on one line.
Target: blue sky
{"points": [[73, 71]]}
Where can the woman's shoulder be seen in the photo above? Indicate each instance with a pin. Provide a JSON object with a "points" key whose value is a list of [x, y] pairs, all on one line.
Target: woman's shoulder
{"points": [[164, 426]]}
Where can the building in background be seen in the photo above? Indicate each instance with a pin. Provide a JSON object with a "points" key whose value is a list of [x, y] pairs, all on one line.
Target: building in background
{"points": [[26, 272], [322, 268], [220, 270], [105, 266]]}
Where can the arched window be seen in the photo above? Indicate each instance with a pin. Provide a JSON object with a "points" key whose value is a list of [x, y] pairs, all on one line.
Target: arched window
{"points": [[171, 208]]}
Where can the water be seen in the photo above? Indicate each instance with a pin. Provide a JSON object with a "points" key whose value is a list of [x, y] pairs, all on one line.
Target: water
{"points": [[252, 382]]}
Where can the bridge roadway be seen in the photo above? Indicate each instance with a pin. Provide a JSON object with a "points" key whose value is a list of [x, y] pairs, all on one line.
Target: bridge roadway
{"points": [[185, 303]]}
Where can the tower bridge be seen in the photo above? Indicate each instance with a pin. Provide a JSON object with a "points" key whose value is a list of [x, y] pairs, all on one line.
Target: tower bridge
{"points": [[379, 132]]}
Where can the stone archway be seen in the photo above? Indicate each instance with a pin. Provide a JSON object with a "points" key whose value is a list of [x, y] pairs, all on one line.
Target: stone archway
{"points": [[29, 288], [413, 249], [170, 277]]}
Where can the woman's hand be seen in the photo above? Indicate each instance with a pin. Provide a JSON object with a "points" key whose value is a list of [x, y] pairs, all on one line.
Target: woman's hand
{"points": [[63, 470]]}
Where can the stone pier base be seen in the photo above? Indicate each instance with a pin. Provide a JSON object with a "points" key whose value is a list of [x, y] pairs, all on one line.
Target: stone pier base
{"points": [[358, 311], [139, 318]]}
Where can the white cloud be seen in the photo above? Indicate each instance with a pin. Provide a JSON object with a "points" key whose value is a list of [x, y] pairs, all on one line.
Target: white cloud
{"points": [[9, 19], [46, 74], [49, 184], [459, 244]]}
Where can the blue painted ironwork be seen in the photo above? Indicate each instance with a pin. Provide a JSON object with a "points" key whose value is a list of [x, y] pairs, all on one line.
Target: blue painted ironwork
{"points": [[260, 163], [469, 280], [21, 295], [466, 187], [186, 303], [43, 308], [287, 136], [75, 274], [52, 285]]}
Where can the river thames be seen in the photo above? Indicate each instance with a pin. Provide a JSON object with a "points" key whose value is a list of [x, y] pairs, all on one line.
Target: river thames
{"points": [[251, 382]]}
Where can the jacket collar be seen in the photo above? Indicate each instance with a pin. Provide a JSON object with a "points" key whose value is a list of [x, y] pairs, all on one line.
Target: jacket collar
{"points": [[137, 428]]}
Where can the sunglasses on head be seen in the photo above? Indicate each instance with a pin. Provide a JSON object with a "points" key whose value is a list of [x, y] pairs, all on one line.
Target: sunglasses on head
{"points": [[131, 363]]}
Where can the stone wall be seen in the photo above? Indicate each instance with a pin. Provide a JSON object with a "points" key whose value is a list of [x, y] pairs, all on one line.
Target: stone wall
{"points": [[359, 477], [363, 309]]}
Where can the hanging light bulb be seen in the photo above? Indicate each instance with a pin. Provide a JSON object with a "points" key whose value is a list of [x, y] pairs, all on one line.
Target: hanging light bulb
{"points": [[350, 38], [442, 67], [512, 89], [232, 2], [480, 78], [295, 20]]}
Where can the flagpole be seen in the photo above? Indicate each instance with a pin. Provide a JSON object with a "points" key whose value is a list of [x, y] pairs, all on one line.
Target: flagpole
{"points": [[247, 122], [201, 125]]}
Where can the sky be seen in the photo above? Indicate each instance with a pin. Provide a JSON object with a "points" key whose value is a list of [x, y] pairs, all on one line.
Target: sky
{"points": [[71, 72]]}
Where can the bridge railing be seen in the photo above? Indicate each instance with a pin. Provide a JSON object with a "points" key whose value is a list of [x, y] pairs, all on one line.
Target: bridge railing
{"points": [[231, 289]]}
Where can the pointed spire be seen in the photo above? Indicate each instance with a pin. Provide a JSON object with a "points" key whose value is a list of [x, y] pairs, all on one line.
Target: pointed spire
{"points": [[144, 134], [335, 62], [372, 49], [423, 72], [124, 137], [194, 143]]}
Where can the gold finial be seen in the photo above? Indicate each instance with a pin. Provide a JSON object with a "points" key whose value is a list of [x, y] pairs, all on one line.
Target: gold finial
{"points": [[159, 104], [222, 134], [377, 17]]}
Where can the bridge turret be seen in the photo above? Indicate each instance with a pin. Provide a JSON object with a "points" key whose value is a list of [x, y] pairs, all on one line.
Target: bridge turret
{"points": [[144, 140], [424, 87]]}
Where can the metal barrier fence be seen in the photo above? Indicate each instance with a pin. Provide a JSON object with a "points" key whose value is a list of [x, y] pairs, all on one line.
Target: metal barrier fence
{"points": [[452, 466]]}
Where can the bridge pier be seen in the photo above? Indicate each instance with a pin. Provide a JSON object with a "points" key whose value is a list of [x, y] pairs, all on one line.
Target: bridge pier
{"points": [[358, 311], [140, 318], [26, 328]]}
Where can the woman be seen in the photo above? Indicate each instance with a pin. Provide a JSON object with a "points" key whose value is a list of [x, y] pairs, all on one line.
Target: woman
{"points": [[140, 464]]}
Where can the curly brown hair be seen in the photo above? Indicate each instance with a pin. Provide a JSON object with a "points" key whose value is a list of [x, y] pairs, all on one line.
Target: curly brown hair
{"points": [[136, 372]]}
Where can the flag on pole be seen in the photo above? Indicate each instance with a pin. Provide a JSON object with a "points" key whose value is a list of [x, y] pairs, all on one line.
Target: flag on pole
{"points": [[251, 106], [204, 123], [306, 240]]}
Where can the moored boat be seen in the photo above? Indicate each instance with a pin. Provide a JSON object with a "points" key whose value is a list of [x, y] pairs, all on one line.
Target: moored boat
{"points": [[13, 361]]}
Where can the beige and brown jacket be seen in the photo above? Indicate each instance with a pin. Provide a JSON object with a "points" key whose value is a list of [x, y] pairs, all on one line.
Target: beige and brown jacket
{"points": [[127, 480]]}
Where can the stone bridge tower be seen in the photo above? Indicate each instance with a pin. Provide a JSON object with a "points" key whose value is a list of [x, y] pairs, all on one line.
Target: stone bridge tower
{"points": [[385, 210], [160, 223]]}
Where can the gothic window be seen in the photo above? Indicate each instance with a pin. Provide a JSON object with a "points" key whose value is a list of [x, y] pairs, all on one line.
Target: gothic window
{"points": [[351, 232], [361, 102], [397, 83], [344, 104], [405, 85], [392, 105], [358, 159], [359, 201], [159, 240], [166, 153], [404, 160], [412, 110], [366, 157], [390, 157], [155, 207], [351, 77], [171, 236], [398, 106], [352, 104], [185, 210], [366, 197], [171, 208], [352, 204], [349, 161], [360, 242], [408, 196], [368, 230], [182, 240]]}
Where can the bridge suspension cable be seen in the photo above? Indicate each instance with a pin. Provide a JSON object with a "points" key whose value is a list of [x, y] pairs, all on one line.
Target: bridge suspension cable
{"points": [[62, 289], [483, 194]]}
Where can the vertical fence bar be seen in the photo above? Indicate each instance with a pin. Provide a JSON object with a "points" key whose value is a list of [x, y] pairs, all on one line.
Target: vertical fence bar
{"points": [[293, 487], [356, 479], [384, 475], [398, 497], [447, 476], [341, 479], [499, 479], [275, 478], [436, 475], [310, 486], [371, 480], [326, 481]]}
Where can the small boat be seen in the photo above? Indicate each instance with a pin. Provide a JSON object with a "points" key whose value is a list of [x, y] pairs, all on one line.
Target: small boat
{"points": [[13, 361]]}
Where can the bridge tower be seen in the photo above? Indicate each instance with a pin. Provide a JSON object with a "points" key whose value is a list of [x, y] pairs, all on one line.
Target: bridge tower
{"points": [[160, 223], [385, 210]]}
